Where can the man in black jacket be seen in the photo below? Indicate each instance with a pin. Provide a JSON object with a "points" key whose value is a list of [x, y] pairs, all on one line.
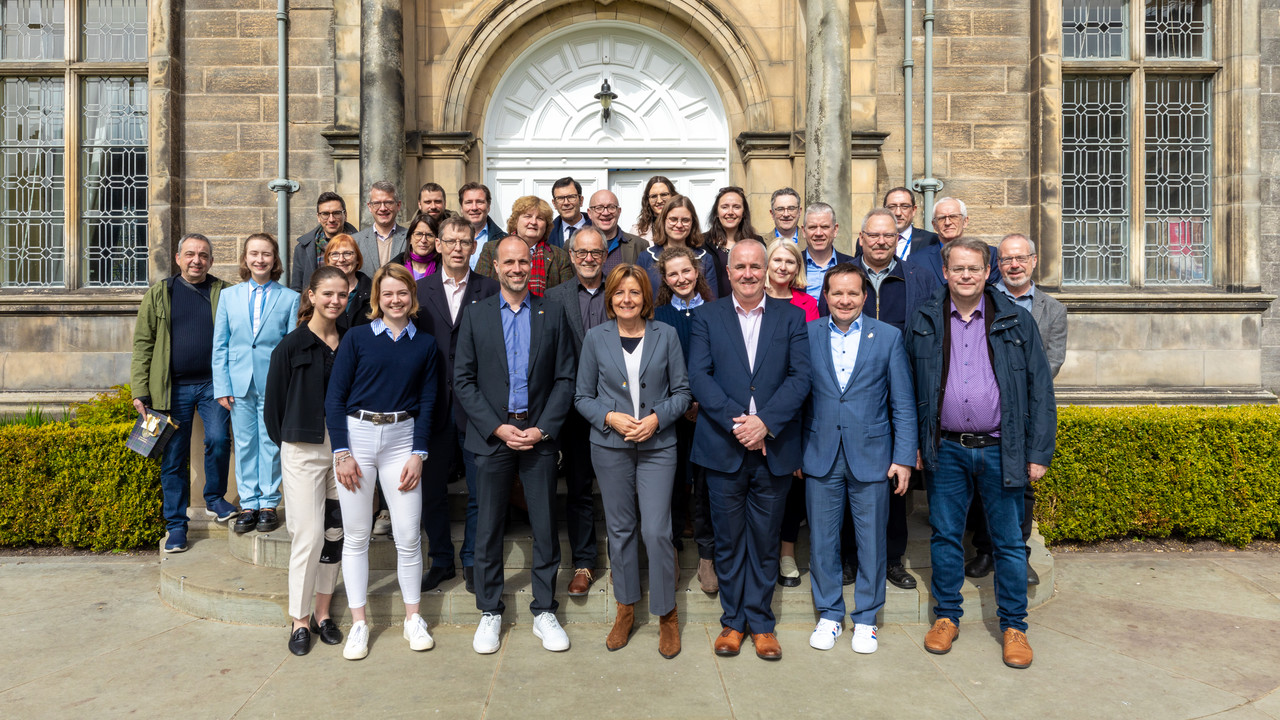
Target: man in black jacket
{"points": [[474, 201], [442, 299], [331, 211]]}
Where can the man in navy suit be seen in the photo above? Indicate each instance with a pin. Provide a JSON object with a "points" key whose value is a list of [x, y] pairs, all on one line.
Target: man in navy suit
{"points": [[566, 196], [902, 203], [859, 433], [749, 371], [950, 219], [442, 298]]}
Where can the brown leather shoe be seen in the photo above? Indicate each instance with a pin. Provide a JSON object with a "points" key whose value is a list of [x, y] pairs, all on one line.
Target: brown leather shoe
{"points": [[1017, 651], [623, 624], [707, 577], [669, 634], [729, 642], [939, 638], [767, 647], [580, 583]]}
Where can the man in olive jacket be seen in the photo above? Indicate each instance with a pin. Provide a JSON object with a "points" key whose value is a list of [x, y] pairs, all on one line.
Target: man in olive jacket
{"points": [[987, 419], [172, 372]]}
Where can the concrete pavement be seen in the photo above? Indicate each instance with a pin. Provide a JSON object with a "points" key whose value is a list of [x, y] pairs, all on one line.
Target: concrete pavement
{"points": [[1130, 635]]}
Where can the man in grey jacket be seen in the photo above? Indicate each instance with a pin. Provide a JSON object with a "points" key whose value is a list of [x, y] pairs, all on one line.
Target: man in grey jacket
{"points": [[385, 238]]}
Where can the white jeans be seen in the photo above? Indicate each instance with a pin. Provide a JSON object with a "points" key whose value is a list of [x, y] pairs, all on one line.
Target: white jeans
{"points": [[381, 452], [308, 480]]}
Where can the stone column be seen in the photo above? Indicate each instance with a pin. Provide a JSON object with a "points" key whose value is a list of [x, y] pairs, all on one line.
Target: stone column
{"points": [[382, 142], [828, 127]]}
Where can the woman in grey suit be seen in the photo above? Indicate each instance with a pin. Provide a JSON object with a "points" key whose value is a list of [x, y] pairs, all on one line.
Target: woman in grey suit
{"points": [[632, 386]]}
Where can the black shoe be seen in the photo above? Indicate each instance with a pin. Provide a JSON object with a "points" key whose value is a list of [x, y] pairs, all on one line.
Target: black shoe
{"points": [[268, 520], [785, 581], [436, 575], [848, 573], [899, 576], [1033, 578], [328, 631], [979, 567], [300, 641], [469, 579], [248, 520]]}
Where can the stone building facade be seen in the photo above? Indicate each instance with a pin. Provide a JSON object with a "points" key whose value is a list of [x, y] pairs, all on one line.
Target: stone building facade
{"points": [[1135, 143]]}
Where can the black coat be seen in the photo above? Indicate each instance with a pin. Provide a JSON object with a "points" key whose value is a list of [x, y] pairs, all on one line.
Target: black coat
{"points": [[434, 317], [293, 408], [304, 257], [358, 307]]}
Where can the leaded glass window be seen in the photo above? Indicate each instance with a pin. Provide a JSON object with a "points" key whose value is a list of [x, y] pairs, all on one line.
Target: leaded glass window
{"points": [[1137, 156], [73, 194]]}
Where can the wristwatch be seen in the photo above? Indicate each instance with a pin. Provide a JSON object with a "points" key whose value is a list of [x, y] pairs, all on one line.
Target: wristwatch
{"points": [[545, 435]]}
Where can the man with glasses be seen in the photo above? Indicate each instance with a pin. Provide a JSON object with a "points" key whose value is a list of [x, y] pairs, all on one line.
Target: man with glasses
{"points": [[443, 297], [475, 200], [583, 303], [1017, 263], [784, 207], [566, 197], [902, 203], [386, 238], [622, 247], [431, 201], [987, 424], [331, 211], [950, 219]]}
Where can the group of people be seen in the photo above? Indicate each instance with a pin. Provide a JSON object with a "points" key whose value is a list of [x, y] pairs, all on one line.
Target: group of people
{"points": [[730, 387]]}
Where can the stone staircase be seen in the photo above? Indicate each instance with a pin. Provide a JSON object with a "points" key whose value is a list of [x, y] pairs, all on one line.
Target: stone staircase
{"points": [[244, 579]]}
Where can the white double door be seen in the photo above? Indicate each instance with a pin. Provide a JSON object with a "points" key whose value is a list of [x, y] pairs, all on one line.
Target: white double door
{"points": [[700, 186]]}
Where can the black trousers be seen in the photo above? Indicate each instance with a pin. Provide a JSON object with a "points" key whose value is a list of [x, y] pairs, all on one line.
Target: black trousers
{"points": [[442, 448], [579, 477]]}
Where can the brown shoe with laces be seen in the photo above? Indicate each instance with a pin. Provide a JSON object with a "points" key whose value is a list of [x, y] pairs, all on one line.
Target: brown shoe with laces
{"points": [[939, 638], [580, 583], [729, 642], [623, 624], [1017, 651], [669, 634], [767, 647]]}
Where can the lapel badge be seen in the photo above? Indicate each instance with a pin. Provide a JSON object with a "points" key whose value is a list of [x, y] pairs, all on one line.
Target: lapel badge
{"points": [[870, 335]]}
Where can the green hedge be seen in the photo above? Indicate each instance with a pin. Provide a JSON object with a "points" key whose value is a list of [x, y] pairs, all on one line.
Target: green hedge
{"points": [[78, 485], [1154, 471]]}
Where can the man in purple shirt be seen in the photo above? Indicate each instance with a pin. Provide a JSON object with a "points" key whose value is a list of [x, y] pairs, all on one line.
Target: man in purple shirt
{"points": [[987, 418]]}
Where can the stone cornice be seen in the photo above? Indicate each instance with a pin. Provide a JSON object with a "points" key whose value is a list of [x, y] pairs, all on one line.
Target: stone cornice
{"points": [[788, 145], [1110, 303]]}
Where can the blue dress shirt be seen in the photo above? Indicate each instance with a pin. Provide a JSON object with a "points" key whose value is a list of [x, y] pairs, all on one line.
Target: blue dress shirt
{"points": [[515, 335], [814, 273], [844, 349]]}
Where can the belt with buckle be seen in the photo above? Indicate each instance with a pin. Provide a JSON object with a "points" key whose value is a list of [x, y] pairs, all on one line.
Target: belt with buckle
{"points": [[518, 416], [970, 440], [381, 418]]}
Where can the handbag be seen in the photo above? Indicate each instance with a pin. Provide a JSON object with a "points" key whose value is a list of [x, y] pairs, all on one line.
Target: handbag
{"points": [[151, 432]]}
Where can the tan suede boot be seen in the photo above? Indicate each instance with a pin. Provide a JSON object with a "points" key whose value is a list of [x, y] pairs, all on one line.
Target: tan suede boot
{"points": [[622, 626], [669, 634]]}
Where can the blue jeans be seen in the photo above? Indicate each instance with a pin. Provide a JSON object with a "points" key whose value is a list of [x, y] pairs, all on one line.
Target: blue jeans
{"points": [[869, 502], [175, 466], [960, 472]]}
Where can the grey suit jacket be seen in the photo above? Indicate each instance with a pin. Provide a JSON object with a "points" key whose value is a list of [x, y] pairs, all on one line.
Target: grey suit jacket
{"points": [[565, 295], [1051, 320], [368, 244], [603, 386]]}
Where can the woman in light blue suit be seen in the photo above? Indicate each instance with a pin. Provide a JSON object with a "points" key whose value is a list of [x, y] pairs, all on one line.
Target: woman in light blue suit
{"points": [[252, 319], [632, 387]]}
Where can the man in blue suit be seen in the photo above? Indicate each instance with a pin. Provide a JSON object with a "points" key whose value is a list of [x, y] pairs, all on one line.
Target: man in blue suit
{"points": [[859, 432], [749, 371]]}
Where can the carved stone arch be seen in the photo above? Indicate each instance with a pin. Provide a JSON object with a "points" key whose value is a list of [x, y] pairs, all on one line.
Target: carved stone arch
{"points": [[480, 59]]}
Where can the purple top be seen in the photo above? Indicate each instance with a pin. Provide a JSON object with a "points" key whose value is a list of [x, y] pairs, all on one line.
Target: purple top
{"points": [[971, 401]]}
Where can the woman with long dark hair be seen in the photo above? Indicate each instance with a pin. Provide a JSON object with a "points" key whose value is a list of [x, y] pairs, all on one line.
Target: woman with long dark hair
{"points": [[728, 223], [655, 196]]}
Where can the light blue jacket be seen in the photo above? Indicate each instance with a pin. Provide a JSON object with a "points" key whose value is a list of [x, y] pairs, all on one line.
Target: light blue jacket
{"points": [[239, 356]]}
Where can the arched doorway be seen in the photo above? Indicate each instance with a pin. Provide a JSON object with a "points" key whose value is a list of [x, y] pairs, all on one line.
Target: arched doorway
{"points": [[544, 121]]}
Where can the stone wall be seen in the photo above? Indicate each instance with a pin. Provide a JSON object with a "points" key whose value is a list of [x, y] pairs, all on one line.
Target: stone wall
{"points": [[227, 138], [981, 133], [1269, 131]]}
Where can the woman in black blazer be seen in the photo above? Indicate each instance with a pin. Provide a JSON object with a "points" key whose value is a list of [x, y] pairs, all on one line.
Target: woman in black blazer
{"points": [[632, 386], [343, 252], [294, 416]]}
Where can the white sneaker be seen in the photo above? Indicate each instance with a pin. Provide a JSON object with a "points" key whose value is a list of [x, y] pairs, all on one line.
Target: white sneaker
{"points": [[488, 634], [547, 629], [382, 523], [864, 639], [357, 647], [825, 634], [415, 631]]}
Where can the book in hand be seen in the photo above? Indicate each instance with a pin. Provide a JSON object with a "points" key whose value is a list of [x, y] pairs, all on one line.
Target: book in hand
{"points": [[151, 433]]}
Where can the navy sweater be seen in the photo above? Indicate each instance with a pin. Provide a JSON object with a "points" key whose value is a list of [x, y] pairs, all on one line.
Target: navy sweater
{"points": [[373, 373]]}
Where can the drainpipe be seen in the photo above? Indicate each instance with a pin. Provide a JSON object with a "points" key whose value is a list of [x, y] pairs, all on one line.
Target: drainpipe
{"points": [[908, 65], [282, 185], [928, 185]]}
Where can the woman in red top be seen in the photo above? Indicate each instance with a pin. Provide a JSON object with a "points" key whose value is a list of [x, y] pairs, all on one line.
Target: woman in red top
{"points": [[786, 277]]}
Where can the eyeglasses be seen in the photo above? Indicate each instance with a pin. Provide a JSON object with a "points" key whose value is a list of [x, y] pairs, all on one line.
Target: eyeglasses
{"points": [[659, 195], [954, 218], [383, 203], [887, 237], [334, 214], [1020, 259], [565, 198], [968, 270], [679, 221], [343, 255], [455, 243], [899, 206], [601, 209], [787, 209], [422, 235], [584, 254]]}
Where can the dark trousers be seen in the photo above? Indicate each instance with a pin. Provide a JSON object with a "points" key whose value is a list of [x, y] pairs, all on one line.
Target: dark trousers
{"points": [[746, 509], [579, 505], [978, 521], [494, 476], [443, 448]]}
